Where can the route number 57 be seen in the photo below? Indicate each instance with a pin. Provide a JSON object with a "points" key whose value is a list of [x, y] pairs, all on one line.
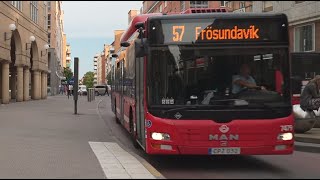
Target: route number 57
{"points": [[177, 32]]}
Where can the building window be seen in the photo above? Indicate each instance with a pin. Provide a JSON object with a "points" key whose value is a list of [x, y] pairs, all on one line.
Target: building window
{"points": [[223, 3], [199, 4], [49, 21], [182, 6], [34, 11], [17, 4], [242, 4], [165, 3], [304, 38], [45, 15], [267, 6], [228, 4], [49, 5], [161, 8], [49, 36]]}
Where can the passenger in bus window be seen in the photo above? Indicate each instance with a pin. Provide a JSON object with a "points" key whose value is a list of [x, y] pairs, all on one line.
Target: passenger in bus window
{"points": [[310, 97], [244, 80]]}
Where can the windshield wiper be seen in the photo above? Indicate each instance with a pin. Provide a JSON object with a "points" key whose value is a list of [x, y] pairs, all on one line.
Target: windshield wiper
{"points": [[236, 102], [274, 108], [176, 109], [180, 108]]}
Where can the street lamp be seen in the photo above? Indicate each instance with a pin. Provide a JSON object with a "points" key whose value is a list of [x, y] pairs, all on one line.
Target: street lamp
{"points": [[12, 28], [46, 47], [32, 39]]}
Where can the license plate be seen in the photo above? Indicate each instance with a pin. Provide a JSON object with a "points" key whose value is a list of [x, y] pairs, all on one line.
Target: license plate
{"points": [[224, 151]]}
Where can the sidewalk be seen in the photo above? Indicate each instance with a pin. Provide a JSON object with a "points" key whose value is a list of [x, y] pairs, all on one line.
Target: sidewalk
{"points": [[44, 139], [309, 141], [312, 136]]}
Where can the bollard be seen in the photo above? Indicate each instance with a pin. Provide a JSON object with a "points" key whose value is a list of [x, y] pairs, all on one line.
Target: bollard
{"points": [[91, 94]]}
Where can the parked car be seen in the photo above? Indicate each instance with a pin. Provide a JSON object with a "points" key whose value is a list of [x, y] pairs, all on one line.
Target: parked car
{"points": [[100, 90], [82, 90]]}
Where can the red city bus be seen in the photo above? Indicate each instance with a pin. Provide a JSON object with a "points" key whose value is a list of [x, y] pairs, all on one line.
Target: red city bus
{"points": [[173, 84]]}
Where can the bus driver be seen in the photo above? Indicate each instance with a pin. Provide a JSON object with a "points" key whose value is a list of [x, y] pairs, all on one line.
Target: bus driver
{"points": [[244, 80]]}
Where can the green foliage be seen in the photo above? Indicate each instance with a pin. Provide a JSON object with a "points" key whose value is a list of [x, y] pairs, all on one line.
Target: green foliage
{"points": [[67, 73], [88, 79]]}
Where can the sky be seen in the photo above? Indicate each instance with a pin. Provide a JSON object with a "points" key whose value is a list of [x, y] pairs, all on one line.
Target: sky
{"points": [[90, 24]]}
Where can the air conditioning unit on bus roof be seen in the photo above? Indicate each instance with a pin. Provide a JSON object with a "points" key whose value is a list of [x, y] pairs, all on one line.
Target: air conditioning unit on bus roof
{"points": [[240, 10], [204, 10]]}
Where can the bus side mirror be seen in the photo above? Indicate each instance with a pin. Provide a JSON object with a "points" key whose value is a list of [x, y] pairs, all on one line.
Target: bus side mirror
{"points": [[140, 49], [125, 44], [139, 25]]}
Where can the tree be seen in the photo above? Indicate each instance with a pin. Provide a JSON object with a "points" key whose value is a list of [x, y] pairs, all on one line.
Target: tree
{"points": [[67, 73], [88, 79]]}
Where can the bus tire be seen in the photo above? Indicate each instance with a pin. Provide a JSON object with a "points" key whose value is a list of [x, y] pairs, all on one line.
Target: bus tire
{"points": [[132, 132], [115, 112]]}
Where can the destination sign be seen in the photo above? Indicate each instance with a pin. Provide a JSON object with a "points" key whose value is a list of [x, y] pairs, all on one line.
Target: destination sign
{"points": [[184, 31]]}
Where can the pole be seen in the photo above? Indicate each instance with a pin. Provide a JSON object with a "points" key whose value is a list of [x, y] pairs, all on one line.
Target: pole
{"points": [[76, 84]]}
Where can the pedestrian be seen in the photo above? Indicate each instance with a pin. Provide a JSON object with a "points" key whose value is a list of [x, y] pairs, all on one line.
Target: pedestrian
{"points": [[107, 91], [66, 91], [61, 89], [70, 90], [310, 96]]}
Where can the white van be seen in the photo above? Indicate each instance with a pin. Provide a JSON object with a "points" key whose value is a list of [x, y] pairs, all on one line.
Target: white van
{"points": [[82, 90]]}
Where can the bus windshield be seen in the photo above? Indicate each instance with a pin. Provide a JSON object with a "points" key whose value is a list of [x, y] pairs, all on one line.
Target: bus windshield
{"points": [[204, 76]]}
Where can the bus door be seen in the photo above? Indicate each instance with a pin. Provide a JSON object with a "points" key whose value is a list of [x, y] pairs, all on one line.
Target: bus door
{"points": [[140, 126]]}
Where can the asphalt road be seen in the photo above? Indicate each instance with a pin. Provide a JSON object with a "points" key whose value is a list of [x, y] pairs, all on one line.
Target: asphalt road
{"points": [[297, 165]]}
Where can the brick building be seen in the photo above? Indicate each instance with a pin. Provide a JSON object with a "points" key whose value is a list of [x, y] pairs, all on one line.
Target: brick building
{"points": [[180, 6], [304, 22]]}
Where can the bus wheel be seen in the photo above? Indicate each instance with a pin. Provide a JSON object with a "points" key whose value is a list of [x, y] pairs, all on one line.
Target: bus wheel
{"points": [[115, 110], [133, 135]]}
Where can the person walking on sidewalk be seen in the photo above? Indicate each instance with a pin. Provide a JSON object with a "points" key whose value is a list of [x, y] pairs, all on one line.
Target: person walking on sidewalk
{"points": [[310, 96], [61, 89]]}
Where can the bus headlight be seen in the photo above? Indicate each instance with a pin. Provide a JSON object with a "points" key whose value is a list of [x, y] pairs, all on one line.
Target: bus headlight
{"points": [[285, 136], [160, 136]]}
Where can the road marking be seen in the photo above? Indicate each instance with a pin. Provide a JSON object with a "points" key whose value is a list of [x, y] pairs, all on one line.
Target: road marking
{"points": [[147, 165], [117, 163]]}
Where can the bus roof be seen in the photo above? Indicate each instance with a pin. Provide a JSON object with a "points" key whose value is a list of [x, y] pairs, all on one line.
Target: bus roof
{"points": [[143, 18], [131, 29], [193, 14], [221, 15]]}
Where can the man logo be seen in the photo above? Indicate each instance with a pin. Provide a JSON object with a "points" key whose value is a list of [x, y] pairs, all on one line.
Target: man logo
{"points": [[223, 143], [224, 128]]}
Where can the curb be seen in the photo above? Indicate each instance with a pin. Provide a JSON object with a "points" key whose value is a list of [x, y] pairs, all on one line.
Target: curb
{"points": [[146, 164], [307, 139], [307, 147]]}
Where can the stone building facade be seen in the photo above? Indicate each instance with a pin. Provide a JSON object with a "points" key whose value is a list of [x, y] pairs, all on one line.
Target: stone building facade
{"points": [[23, 53]]}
